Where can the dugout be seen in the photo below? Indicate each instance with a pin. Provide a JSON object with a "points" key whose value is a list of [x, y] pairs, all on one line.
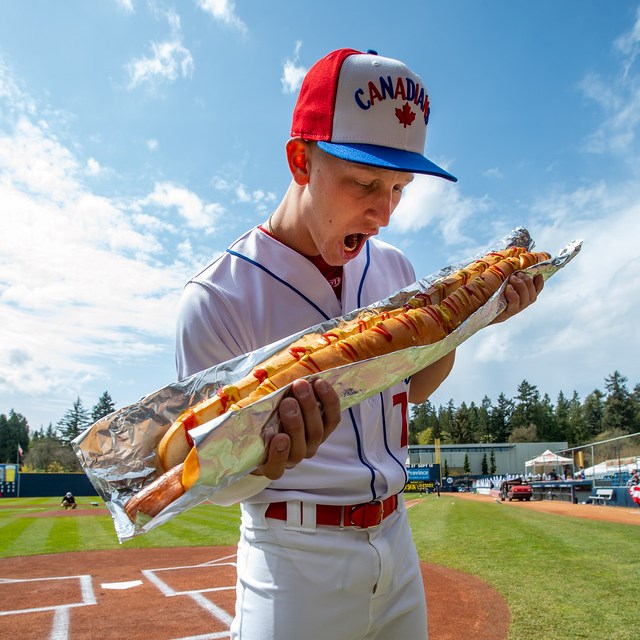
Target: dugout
{"points": [[574, 491]]}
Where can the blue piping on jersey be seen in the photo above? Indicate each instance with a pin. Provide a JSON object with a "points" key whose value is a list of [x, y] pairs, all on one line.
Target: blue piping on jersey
{"points": [[284, 282], [364, 462], [386, 444], [364, 274]]}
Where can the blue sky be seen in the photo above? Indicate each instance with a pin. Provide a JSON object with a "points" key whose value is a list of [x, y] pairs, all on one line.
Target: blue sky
{"points": [[139, 138]]}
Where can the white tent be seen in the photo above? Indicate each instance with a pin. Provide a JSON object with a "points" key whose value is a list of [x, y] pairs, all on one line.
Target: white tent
{"points": [[596, 471], [548, 459]]}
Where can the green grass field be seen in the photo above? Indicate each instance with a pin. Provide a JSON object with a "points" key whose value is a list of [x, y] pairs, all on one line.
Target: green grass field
{"points": [[564, 578]]}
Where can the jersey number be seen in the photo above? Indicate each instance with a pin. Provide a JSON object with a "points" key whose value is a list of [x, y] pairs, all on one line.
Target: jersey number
{"points": [[402, 400]]}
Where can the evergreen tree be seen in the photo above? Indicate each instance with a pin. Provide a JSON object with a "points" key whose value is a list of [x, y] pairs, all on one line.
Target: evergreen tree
{"points": [[423, 424], [545, 421], [74, 422], [461, 425], [466, 467], [51, 432], [635, 396], [483, 423], [500, 419], [525, 412], [445, 417], [492, 462], [485, 465], [14, 435], [618, 407], [562, 416], [592, 415], [103, 407], [576, 422]]}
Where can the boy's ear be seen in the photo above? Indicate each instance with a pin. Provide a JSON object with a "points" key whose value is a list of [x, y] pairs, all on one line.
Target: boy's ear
{"points": [[298, 159]]}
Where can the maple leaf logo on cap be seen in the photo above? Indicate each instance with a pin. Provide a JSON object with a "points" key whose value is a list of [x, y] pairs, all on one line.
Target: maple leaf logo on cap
{"points": [[405, 115]]}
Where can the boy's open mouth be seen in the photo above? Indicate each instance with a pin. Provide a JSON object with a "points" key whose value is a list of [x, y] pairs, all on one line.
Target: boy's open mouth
{"points": [[353, 241]]}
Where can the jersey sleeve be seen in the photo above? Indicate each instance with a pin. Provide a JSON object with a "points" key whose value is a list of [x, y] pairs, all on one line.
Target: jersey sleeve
{"points": [[202, 339]]}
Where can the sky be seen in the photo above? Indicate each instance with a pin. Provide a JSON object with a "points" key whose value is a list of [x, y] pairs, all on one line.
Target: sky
{"points": [[138, 138]]}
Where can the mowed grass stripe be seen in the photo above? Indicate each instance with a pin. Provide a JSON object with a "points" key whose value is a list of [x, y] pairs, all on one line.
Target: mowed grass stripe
{"points": [[203, 525], [562, 577], [25, 536]]}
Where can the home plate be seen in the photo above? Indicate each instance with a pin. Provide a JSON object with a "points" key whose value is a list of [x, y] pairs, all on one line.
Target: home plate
{"points": [[121, 585]]}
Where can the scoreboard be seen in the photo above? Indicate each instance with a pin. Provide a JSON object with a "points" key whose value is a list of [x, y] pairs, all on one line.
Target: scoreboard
{"points": [[8, 480]]}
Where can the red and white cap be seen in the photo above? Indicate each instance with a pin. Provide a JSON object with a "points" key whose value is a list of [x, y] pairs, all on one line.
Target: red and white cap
{"points": [[366, 108]]}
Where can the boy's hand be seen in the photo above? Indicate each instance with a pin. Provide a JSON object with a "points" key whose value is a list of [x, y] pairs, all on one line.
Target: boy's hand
{"points": [[308, 416]]}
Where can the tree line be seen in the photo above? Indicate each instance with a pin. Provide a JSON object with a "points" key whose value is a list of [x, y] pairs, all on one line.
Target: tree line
{"points": [[532, 417], [49, 449]]}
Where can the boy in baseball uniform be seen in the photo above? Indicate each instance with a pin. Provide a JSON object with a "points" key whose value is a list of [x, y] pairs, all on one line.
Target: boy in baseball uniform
{"points": [[325, 548]]}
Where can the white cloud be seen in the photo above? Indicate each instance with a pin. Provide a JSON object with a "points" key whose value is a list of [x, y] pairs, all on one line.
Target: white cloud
{"points": [[169, 60], [14, 99], [292, 72], [93, 167], [197, 214], [256, 197], [82, 281], [439, 204], [629, 44], [152, 144], [36, 161], [260, 199], [223, 11], [125, 5]]}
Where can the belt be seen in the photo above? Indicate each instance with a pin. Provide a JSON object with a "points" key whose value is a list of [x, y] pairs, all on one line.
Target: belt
{"points": [[362, 516]]}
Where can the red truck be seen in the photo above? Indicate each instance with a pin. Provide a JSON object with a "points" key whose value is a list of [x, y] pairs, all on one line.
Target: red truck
{"points": [[515, 489]]}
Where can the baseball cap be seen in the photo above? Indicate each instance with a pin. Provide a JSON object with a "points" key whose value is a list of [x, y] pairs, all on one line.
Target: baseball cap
{"points": [[365, 108]]}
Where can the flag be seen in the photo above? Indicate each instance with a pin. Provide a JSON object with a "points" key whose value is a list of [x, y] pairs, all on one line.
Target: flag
{"points": [[20, 451]]}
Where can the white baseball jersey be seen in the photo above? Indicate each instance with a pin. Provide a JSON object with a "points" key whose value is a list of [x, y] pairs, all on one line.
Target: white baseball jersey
{"points": [[260, 291]]}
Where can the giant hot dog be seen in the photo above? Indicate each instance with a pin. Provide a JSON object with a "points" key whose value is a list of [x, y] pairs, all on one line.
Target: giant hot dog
{"points": [[176, 443], [424, 319]]}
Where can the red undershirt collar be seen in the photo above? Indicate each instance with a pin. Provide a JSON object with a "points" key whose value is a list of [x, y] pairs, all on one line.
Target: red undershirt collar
{"points": [[333, 275]]}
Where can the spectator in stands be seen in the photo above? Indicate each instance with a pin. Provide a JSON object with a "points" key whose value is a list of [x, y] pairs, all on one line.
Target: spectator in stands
{"points": [[68, 501], [634, 479]]}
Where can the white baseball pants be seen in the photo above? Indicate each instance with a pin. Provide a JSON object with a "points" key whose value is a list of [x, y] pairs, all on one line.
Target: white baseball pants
{"points": [[326, 583]]}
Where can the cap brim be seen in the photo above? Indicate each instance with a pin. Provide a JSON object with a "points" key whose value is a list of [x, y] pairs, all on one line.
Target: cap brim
{"points": [[385, 158]]}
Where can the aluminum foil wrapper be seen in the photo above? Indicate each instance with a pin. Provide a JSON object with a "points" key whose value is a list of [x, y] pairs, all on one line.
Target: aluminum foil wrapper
{"points": [[118, 453]]}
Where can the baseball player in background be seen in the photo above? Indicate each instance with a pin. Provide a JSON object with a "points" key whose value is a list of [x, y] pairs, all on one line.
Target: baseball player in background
{"points": [[325, 548]]}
